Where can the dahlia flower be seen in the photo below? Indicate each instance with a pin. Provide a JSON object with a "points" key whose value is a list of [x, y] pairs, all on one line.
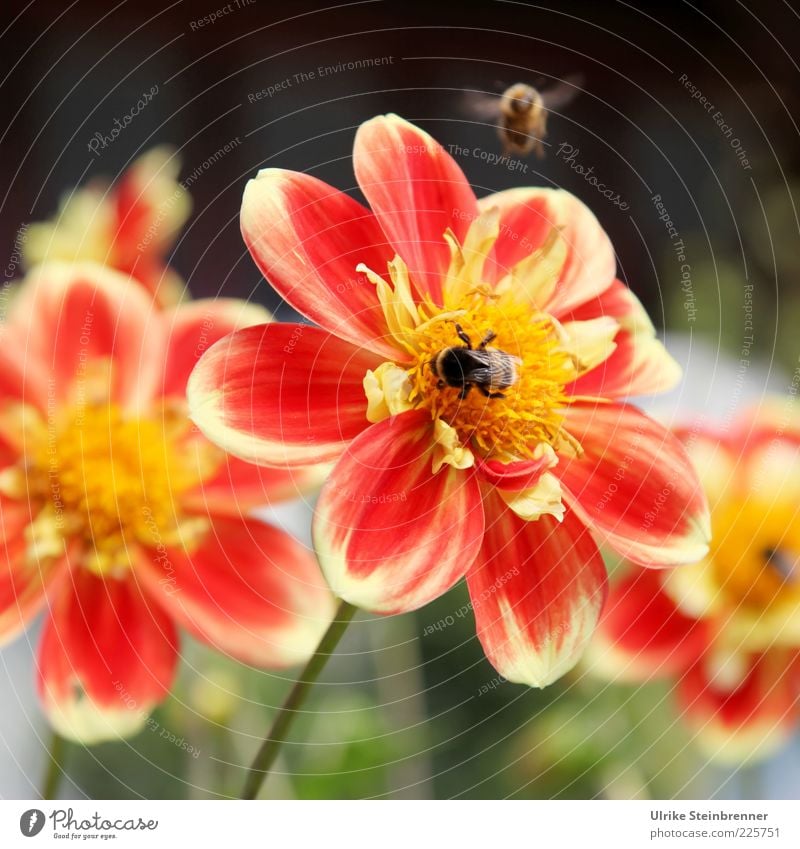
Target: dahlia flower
{"points": [[129, 226], [119, 520], [506, 475], [727, 629]]}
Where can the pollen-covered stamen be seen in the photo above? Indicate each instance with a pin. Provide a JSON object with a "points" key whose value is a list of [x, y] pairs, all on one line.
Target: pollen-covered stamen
{"points": [[111, 481]]}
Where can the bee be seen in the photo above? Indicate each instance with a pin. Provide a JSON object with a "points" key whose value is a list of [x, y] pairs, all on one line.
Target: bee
{"points": [[783, 563], [521, 113], [487, 369]]}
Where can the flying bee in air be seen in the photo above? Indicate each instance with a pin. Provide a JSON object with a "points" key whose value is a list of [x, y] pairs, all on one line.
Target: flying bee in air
{"points": [[521, 113], [487, 369]]}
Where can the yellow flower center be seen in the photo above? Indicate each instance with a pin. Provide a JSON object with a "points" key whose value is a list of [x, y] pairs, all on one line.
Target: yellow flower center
{"points": [[112, 481], [756, 555], [511, 420], [490, 364]]}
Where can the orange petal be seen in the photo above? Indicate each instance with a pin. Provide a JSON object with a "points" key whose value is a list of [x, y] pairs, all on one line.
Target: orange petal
{"points": [[239, 487], [25, 584], [640, 365]]}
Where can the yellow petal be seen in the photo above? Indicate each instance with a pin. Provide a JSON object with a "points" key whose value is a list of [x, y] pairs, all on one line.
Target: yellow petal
{"points": [[756, 630], [542, 499], [448, 448], [694, 589], [467, 261], [773, 471], [727, 666], [387, 389], [396, 299], [590, 342], [535, 277], [715, 466]]}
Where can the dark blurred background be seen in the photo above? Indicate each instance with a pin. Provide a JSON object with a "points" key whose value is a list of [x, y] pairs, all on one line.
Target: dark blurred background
{"points": [[70, 69]]}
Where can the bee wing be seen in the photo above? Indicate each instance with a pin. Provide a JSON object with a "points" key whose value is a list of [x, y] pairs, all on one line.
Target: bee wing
{"points": [[485, 355], [563, 92], [483, 375], [491, 367], [478, 357], [479, 104]]}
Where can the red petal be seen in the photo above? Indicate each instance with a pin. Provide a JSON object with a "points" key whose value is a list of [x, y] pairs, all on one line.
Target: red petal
{"points": [[74, 318], [635, 485], [642, 633], [636, 367], [537, 589], [390, 534], [417, 191], [527, 215], [248, 589], [281, 394], [23, 377], [107, 657], [769, 458], [150, 206], [307, 238], [773, 417], [516, 476], [192, 328], [749, 721], [15, 515], [24, 584]]}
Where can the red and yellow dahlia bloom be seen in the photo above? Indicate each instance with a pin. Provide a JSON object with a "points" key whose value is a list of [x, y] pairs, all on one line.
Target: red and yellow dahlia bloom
{"points": [[129, 226], [430, 486], [119, 519], [727, 629]]}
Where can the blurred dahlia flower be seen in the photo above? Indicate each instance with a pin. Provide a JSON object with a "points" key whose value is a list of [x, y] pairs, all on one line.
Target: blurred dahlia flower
{"points": [[119, 520], [727, 629], [466, 378], [130, 225]]}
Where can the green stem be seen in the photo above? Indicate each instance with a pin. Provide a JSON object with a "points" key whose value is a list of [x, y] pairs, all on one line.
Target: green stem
{"points": [[263, 761], [55, 767]]}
